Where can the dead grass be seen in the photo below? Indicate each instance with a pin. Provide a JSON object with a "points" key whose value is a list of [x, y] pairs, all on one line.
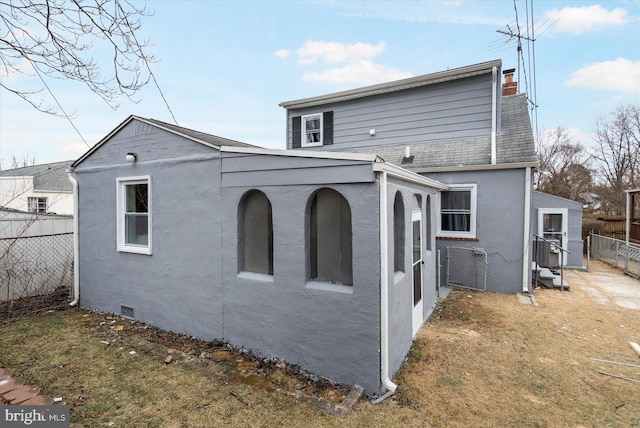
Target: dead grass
{"points": [[483, 360]]}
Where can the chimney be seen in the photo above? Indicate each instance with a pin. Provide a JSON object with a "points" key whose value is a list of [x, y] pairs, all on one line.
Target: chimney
{"points": [[509, 87]]}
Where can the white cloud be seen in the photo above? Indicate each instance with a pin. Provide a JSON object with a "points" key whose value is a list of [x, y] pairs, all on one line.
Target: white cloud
{"points": [[363, 72], [282, 53], [621, 75], [578, 20], [336, 53]]}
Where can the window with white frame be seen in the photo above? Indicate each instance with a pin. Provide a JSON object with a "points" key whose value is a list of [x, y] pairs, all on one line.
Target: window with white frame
{"points": [[458, 208], [134, 214], [312, 130], [37, 205]]}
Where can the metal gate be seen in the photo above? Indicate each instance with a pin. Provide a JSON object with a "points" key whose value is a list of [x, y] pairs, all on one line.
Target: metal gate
{"points": [[467, 268]]}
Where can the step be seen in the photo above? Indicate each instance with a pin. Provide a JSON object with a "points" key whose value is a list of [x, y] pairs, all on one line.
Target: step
{"points": [[557, 282], [545, 274]]}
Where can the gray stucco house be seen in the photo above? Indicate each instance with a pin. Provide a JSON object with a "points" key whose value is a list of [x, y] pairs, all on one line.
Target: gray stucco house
{"points": [[323, 254]]}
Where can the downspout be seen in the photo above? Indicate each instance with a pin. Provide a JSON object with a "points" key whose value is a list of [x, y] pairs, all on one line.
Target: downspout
{"points": [[76, 252], [494, 112], [526, 264], [384, 294]]}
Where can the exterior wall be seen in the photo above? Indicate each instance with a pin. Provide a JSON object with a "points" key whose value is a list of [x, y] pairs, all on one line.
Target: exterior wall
{"points": [[324, 331], [178, 287], [401, 283], [499, 225], [574, 221], [454, 109], [15, 191]]}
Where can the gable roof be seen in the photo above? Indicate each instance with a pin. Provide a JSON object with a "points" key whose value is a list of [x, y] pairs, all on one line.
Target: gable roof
{"points": [[209, 140], [515, 146], [46, 176], [397, 85]]}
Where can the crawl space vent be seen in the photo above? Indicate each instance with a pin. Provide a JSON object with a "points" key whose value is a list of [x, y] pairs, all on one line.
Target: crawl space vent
{"points": [[126, 312]]}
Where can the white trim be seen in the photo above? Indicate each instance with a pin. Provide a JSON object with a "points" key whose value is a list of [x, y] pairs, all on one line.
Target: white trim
{"points": [[406, 175], [482, 167], [417, 309], [473, 188], [526, 266], [565, 225], [122, 246], [303, 130], [494, 109]]}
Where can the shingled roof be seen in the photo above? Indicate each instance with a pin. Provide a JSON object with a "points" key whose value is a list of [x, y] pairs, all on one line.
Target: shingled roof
{"points": [[514, 145], [46, 176]]}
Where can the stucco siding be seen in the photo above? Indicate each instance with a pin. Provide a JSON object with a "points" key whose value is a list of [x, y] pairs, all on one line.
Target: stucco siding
{"points": [[323, 331], [455, 109], [499, 226]]}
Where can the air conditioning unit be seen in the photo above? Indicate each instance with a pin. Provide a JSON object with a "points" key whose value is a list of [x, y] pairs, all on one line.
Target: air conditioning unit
{"points": [[549, 253]]}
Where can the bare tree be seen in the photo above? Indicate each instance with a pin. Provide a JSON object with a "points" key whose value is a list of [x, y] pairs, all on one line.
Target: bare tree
{"points": [[564, 166], [617, 139], [54, 38]]}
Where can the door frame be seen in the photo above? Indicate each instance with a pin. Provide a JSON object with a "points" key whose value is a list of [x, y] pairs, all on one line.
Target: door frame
{"points": [[417, 310], [565, 225]]}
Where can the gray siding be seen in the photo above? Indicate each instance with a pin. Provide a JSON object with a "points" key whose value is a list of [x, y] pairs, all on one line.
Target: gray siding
{"points": [[323, 331], [401, 283], [456, 109], [574, 223], [255, 170], [178, 287], [499, 227]]}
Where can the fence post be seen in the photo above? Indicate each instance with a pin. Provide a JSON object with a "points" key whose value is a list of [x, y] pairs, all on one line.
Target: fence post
{"points": [[588, 251], [627, 256]]}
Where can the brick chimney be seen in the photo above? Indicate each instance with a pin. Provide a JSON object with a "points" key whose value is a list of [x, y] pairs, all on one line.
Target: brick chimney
{"points": [[509, 87]]}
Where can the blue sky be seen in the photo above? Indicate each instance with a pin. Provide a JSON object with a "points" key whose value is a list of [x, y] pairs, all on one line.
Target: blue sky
{"points": [[224, 66]]}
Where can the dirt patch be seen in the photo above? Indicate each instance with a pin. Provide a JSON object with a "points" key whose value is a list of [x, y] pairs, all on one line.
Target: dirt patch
{"points": [[35, 305]]}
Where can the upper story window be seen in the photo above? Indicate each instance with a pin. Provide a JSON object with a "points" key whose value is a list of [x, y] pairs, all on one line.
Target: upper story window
{"points": [[134, 214], [37, 205], [312, 130], [458, 211], [256, 234]]}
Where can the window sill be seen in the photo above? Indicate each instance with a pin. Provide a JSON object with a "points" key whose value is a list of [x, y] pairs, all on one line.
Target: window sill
{"points": [[457, 238], [326, 286], [254, 276], [135, 250]]}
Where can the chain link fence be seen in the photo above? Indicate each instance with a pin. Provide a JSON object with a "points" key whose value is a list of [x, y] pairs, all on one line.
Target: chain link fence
{"points": [[35, 265], [617, 253], [467, 268]]}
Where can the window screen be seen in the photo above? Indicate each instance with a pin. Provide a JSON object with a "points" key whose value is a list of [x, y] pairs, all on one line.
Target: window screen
{"points": [[398, 233], [455, 210]]}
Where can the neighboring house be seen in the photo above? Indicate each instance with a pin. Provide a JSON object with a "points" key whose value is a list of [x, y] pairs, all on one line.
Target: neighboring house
{"points": [[325, 254], [41, 188]]}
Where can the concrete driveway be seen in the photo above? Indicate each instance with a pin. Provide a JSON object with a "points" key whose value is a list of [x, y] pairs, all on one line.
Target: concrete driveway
{"points": [[605, 283]]}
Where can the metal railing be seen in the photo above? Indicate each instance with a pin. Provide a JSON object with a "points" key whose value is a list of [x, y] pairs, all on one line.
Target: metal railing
{"points": [[616, 252], [467, 268], [553, 245], [35, 265]]}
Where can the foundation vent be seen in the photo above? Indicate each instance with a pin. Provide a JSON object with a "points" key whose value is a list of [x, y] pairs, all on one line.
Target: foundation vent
{"points": [[126, 312]]}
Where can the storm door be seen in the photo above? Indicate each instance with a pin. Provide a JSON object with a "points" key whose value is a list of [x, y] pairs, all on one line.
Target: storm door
{"points": [[417, 312], [553, 225]]}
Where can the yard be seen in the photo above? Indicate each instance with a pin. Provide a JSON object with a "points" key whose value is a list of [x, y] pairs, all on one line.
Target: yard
{"points": [[483, 359]]}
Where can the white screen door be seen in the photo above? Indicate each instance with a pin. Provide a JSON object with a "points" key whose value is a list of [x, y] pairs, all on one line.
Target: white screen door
{"points": [[417, 311]]}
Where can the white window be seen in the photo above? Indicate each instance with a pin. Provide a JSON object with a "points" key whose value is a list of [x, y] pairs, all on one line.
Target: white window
{"points": [[134, 214], [37, 205], [458, 211], [312, 130]]}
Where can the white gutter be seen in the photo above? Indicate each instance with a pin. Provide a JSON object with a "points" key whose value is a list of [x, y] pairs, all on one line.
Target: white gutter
{"points": [[384, 293], [526, 265], [494, 109], [76, 252]]}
